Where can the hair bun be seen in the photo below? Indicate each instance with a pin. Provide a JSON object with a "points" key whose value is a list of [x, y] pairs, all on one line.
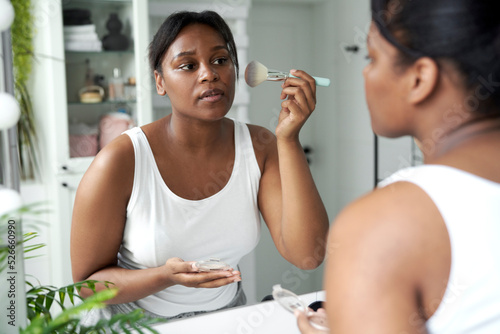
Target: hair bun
{"points": [[497, 42]]}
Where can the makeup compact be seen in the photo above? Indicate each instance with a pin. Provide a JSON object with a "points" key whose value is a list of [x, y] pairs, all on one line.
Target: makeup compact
{"points": [[291, 302], [213, 264]]}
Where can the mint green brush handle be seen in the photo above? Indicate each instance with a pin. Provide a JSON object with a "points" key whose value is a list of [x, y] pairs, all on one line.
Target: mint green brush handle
{"points": [[323, 82]]}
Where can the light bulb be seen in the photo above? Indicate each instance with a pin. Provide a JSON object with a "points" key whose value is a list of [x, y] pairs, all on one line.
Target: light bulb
{"points": [[10, 109], [10, 199], [6, 14]]}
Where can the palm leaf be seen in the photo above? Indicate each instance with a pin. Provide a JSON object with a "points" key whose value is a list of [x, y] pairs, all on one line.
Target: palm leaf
{"points": [[68, 320]]}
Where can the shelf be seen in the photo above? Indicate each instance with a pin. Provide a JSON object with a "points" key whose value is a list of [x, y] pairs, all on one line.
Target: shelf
{"points": [[104, 52], [104, 103], [97, 2]]}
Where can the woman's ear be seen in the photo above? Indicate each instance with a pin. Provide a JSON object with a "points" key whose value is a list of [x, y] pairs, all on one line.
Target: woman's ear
{"points": [[160, 84], [425, 76]]}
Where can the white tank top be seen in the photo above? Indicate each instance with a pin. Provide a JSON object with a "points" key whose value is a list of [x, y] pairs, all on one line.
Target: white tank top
{"points": [[161, 225], [470, 207]]}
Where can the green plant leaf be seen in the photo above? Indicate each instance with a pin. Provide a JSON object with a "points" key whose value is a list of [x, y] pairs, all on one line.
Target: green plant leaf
{"points": [[91, 285], [62, 296], [49, 299], [67, 321], [71, 294]]}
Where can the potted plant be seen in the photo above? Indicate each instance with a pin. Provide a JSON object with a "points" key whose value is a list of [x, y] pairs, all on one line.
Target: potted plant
{"points": [[59, 310]]}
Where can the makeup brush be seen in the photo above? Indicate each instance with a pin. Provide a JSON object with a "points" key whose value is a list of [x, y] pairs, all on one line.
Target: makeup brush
{"points": [[256, 73]]}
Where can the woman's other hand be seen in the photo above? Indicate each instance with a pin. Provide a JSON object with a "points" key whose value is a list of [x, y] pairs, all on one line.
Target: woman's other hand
{"points": [[185, 273], [305, 325], [300, 95]]}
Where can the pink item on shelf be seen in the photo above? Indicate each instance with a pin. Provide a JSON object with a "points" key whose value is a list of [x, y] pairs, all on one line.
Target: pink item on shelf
{"points": [[83, 145], [112, 125]]}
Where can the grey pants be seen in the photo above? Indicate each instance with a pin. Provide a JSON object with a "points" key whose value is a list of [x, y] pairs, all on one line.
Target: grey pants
{"points": [[94, 315]]}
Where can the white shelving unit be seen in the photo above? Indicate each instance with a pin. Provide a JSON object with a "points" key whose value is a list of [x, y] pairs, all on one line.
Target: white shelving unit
{"points": [[58, 74]]}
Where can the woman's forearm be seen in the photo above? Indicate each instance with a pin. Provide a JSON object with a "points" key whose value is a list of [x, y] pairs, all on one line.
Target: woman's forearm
{"points": [[304, 218], [132, 285]]}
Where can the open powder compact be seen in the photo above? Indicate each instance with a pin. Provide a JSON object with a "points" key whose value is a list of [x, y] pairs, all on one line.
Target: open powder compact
{"points": [[214, 264], [291, 302]]}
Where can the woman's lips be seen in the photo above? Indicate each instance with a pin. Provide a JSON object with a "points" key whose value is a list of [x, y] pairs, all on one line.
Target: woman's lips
{"points": [[212, 95]]}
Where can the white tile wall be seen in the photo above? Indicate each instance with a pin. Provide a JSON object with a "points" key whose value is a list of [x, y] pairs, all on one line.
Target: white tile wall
{"points": [[355, 137]]}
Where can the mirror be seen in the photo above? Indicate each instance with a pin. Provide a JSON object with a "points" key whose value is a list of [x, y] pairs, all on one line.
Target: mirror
{"points": [[325, 38]]}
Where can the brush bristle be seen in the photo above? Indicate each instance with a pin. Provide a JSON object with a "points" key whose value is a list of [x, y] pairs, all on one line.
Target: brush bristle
{"points": [[255, 73]]}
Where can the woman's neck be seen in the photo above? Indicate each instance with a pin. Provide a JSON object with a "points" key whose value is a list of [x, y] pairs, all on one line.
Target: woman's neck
{"points": [[442, 141], [195, 135]]}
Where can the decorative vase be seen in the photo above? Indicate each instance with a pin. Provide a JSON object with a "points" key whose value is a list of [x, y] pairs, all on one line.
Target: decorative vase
{"points": [[115, 40]]}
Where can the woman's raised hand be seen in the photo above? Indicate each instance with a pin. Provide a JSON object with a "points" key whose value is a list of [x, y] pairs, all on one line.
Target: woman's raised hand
{"points": [[185, 273], [300, 95]]}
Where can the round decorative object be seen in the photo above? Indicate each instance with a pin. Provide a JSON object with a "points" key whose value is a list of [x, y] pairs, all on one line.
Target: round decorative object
{"points": [[114, 25], [10, 199], [115, 40], [6, 15], [10, 110]]}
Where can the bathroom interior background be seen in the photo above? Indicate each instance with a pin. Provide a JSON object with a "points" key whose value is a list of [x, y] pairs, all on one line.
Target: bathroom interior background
{"points": [[318, 36]]}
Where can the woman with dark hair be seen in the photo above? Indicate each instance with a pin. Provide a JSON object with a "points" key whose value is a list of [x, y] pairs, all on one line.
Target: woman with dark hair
{"points": [[420, 254], [193, 184]]}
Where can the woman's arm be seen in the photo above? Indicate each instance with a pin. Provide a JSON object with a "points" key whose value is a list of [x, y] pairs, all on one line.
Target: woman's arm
{"points": [[288, 199], [386, 263], [98, 223]]}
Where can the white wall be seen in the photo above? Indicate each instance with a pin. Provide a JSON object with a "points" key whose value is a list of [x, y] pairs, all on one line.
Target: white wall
{"points": [[355, 137], [339, 130]]}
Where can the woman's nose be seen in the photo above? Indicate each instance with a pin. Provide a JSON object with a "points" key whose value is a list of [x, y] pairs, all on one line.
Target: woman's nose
{"points": [[208, 73], [365, 71]]}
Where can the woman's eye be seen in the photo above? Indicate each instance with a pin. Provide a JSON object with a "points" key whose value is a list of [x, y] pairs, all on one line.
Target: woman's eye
{"points": [[220, 61], [187, 67], [369, 58]]}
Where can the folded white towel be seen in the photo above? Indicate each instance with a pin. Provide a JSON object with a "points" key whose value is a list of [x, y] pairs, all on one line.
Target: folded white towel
{"points": [[81, 37], [83, 29], [83, 46]]}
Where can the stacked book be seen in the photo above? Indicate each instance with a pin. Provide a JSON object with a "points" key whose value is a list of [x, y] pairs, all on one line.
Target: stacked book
{"points": [[79, 32]]}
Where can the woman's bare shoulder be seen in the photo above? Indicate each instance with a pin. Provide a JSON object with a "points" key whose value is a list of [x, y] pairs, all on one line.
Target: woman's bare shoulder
{"points": [[390, 249], [114, 164], [261, 137], [264, 143], [399, 220]]}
